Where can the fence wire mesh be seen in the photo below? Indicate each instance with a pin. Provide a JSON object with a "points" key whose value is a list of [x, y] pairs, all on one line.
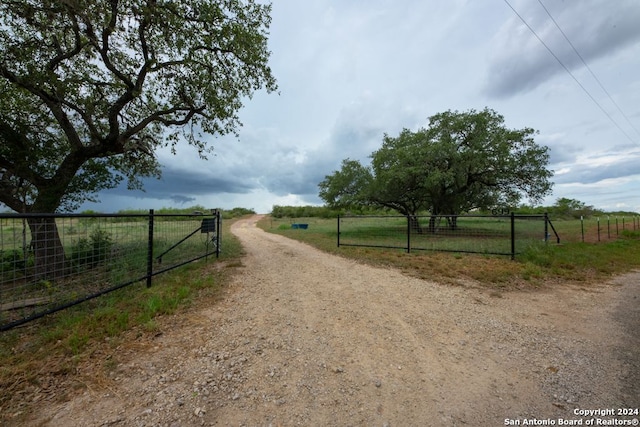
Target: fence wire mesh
{"points": [[51, 262], [496, 234]]}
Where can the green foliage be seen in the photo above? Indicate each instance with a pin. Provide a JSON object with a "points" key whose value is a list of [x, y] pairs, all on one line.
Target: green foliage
{"points": [[90, 252], [26, 354], [11, 260], [461, 162], [89, 90], [630, 234], [570, 262], [563, 208], [323, 211], [571, 208], [237, 213], [300, 211], [347, 187], [191, 210], [577, 261]]}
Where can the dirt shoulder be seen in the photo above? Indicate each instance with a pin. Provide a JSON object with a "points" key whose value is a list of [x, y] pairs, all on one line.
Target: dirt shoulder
{"points": [[306, 338]]}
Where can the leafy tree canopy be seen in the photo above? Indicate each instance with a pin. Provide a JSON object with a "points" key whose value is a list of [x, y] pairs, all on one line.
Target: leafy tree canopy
{"points": [[565, 207], [89, 90], [461, 161]]}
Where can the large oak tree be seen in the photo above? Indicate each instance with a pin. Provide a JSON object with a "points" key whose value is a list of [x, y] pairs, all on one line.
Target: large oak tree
{"points": [[461, 161], [90, 89]]}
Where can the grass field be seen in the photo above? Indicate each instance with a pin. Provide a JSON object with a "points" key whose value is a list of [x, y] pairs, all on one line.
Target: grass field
{"points": [[597, 229], [480, 234], [56, 344], [101, 253], [536, 265]]}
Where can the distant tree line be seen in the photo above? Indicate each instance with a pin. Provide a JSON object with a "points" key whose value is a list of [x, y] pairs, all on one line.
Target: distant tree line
{"points": [[325, 211], [226, 213], [563, 208]]}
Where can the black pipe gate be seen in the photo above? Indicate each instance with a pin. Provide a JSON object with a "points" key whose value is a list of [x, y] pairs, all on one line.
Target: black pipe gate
{"points": [[92, 254]]}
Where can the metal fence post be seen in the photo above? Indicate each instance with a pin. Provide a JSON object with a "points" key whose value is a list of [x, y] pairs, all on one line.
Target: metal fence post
{"points": [[513, 236], [582, 226], [409, 234], [150, 250], [546, 228], [338, 230], [218, 232]]}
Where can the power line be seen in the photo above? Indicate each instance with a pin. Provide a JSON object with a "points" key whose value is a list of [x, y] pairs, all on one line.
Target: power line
{"points": [[570, 73], [588, 68]]}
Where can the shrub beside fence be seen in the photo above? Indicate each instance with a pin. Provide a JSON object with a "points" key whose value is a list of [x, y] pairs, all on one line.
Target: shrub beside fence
{"points": [[51, 262], [488, 234]]}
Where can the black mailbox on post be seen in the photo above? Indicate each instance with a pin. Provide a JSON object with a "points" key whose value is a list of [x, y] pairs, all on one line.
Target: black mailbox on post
{"points": [[208, 225]]}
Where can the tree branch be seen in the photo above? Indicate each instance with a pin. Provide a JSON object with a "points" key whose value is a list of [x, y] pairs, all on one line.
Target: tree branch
{"points": [[10, 137], [50, 101], [54, 62], [159, 117]]}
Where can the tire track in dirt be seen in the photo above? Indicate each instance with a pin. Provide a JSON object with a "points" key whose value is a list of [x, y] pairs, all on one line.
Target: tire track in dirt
{"points": [[307, 338]]}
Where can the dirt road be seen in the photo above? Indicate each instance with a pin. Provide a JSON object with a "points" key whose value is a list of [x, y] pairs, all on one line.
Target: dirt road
{"points": [[305, 338]]}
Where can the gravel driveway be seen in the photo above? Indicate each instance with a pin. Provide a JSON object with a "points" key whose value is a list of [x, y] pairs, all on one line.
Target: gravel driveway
{"points": [[305, 338]]}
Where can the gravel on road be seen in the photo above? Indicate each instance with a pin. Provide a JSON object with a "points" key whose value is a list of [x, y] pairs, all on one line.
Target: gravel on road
{"points": [[303, 338]]}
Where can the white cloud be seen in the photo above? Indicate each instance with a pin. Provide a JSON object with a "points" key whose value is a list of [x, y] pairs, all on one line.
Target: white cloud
{"points": [[350, 71]]}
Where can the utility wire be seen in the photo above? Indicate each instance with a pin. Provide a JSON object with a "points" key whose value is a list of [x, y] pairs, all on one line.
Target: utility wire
{"points": [[588, 68], [570, 73]]}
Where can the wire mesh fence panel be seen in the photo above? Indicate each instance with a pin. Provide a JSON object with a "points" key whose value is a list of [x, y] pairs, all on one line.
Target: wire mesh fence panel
{"points": [[489, 234], [51, 262], [373, 231], [530, 230], [478, 234]]}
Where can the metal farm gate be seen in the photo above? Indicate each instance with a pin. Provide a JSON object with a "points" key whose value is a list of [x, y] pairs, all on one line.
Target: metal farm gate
{"points": [[51, 262]]}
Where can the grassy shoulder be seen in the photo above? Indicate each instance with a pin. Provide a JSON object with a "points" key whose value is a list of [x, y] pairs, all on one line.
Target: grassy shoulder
{"points": [[56, 344], [570, 262]]}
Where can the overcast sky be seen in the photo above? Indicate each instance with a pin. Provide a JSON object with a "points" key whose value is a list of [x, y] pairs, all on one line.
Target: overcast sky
{"points": [[350, 71]]}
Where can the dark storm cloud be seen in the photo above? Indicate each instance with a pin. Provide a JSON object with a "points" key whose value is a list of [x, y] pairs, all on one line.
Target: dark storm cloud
{"points": [[182, 186], [181, 200], [195, 182], [353, 136], [284, 166], [522, 63]]}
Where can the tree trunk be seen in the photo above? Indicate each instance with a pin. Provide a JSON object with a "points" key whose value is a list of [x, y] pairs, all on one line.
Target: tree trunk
{"points": [[414, 224], [453, 222], [433, 222], [50, 262]]}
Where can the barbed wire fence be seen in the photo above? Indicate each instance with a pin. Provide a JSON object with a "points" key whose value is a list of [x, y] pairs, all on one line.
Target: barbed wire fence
{"points": [[51, 262]]}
